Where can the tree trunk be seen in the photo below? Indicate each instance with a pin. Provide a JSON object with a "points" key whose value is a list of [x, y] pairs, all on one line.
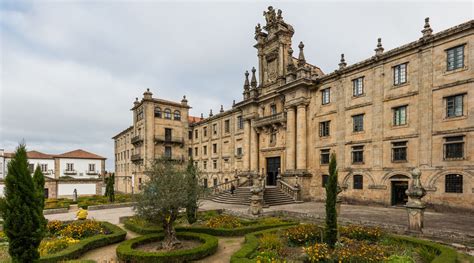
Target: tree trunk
{"points": [[170, 240]]}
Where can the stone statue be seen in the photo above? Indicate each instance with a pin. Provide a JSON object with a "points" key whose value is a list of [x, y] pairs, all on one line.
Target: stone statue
{"points": [[258, 29], [415, 207], [74, 195], [270, 15]]}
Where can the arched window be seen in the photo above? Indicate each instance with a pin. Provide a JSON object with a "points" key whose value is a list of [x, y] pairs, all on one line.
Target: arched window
{"points": [[168, 114], [157, 112], [177, 115], [324, 180], [453, 183], [358, 181]]}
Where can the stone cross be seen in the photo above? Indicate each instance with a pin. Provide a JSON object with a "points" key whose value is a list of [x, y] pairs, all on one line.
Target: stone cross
{"points": [[415, 207]]}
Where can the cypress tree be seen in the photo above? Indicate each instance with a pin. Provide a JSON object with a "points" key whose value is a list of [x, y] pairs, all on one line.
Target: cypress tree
{"points": [[22, 216], [193, 192], [331, 195], [38, 181], [111, 188]]}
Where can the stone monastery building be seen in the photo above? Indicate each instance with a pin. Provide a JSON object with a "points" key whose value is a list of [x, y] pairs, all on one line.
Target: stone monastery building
{"points": [[409, 107]]}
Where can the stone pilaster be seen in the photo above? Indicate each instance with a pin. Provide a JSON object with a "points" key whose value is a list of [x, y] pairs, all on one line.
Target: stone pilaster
{"points": [[290, 139], [253, 149], [301, 137], [246, 157]]}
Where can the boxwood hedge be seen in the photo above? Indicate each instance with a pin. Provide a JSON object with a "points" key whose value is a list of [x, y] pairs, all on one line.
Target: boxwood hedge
{"points": [[126, 251], [75, 251], [227, 232]]}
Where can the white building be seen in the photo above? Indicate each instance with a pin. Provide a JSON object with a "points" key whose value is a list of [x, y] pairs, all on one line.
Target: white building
{"points": [[2, 163]]}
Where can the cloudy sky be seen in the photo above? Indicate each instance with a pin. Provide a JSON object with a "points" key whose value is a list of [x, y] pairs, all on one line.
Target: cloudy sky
{"points": [[70, 70]]}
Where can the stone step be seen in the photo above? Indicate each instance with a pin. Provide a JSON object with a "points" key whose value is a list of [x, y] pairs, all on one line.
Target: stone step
{"points": [[272, 197]]}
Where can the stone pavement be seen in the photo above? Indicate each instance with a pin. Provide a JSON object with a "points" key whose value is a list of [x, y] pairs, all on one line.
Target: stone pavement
{"points": [[449, 226]]}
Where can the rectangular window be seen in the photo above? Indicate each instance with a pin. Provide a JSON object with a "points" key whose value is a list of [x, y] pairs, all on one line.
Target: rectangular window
{"points": [[400, 74], [454, 106], [325, 96], [358, 123], [31, 167], [204, 150], [358, 86], [195, 151], [190, 135], [214, 164], [69, 167], [240, 122], [168, 152], [453, 183], [400, 116], [214, 181], [227, 126], [239, 151], [196, 134], [399, 151], [44, 167], [205, 183], [358, 182], [139, 183], [204, 165], [325, 156], [455, 58], [91, 167], [204, 131], [273, 109], [214, 148], [324, 128], [454, 147], [214, 128], [167, 134], [190, 152], [324, 180], [357, 154]]}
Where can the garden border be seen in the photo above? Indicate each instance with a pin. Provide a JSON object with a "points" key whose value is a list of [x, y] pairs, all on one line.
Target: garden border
{"points": [[225, 232], [76, 250], [126, 252]]}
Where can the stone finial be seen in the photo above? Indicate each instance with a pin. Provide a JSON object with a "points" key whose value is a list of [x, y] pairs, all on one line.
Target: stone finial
{"points": [[210, 113], [202, 116], [184, 100], [343, 63], [253, 82], [301, 58], [246, 82], [427, 28], [233, 103], [222, 109], [136, 102], [379, 49], [147, 94]]}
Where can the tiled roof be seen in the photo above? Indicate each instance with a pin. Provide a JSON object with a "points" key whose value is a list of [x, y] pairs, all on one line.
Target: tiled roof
{"points": [[80, 154], [32, 155], [193, 119]]}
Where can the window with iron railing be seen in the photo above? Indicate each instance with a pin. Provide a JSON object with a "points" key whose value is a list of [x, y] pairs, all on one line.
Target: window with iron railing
{"points": [[455, 58], [453, 183], [454, 147]]}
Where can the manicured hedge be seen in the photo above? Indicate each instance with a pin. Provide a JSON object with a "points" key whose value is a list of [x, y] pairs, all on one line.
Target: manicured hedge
{"points": [[238, 231], [126, 251], [75, 251]]}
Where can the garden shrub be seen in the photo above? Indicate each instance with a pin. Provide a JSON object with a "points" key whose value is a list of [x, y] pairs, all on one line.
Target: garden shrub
{"points": [[399, 259], [361, 232], [303, 234], [270, 242], [270, 221], [317, 252], [268, 257], [223, 221], [82, 229], [52, 245], [126, 250], [3, 237]]}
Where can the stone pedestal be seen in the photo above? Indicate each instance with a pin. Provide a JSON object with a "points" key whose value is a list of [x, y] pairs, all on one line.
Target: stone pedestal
{"points": [[415, 207], [256, 200]]}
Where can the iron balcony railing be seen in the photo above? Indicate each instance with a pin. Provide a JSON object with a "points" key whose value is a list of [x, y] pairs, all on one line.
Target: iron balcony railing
{"points": [[267, 120], [136, 139], [169, 139], [136, 157]]}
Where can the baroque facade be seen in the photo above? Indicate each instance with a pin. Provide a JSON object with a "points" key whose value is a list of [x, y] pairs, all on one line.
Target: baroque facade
{"points": [[399, 109]]}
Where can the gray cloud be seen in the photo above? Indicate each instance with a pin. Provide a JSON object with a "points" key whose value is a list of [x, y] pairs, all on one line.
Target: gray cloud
{"points": [[71, 70]]}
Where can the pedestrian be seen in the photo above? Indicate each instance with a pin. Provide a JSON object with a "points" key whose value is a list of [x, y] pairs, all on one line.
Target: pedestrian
{"points": [[232, 188]]}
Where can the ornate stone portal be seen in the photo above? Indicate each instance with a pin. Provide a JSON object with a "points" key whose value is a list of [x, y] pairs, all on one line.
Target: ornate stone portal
{"points": [[415, 207]]}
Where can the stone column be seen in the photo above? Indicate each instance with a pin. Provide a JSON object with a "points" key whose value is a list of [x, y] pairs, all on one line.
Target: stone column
{"points": [[301, 137], [415, 207], [253, 150], [246, 157], [290, 139]]}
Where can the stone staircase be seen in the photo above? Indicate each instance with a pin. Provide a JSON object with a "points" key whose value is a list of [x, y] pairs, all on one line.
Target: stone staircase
{"points": [[272, 197]]}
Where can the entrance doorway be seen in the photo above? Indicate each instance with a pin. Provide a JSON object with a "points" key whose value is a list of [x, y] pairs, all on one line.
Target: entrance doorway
{"points": [[273, 165], [399, 197], [46, 193]]}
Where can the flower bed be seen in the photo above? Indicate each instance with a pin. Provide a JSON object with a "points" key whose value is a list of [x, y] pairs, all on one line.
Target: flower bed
{"points": [[53, 203], [86, 201], [126, 251]]}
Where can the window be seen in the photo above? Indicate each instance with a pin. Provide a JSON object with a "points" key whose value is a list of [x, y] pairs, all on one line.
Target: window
{"points": [[324, 181], [455, 58], [196, 134], [190, 152], [358, 86], [399, 151], [214, 181], [273, 109], [157, 112], [205, 182], [91, 167], [177, 115], [139, 113], [195, 151], [44, 167], [227, 126], [214, 164], [357, 154], [324, 128], [204, 150], [168, 114], [69, 167], [168, 151], [214, 128], [325, 96], [400, 74], [214, 148], [204, 165], [204, 131], [139, 183], [358, 181], [454, 147], [239, 151], [400, 116], [358, 123], [168, 134], [453, 183], [325, 156], [454, 106], [190, 135], [240, 122]]}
